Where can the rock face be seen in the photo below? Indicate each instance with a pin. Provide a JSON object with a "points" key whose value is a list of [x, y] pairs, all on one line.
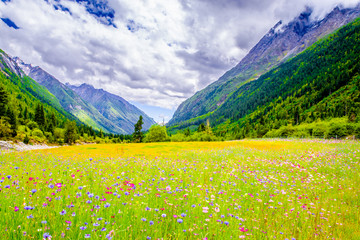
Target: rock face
{"points": [[11, 63], [280, 43], [96, 108], [113, 107]]}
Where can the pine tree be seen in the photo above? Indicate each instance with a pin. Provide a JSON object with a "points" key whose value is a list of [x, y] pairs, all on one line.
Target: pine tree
{"points": [[138, 135], [40, 115], [70, 132], [3, 101], [13, 122]]}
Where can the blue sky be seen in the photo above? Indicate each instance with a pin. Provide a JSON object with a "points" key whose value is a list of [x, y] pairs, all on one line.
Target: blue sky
{"points": [[153, 53]]}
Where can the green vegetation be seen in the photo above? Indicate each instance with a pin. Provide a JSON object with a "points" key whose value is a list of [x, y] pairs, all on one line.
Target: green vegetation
{"points": [[30, 113], [138, 135], [319, 85], [156, 133]]}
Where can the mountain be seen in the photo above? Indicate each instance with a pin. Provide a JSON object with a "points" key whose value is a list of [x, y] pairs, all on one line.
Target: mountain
{"points": [[321, 84], [280, 44], [119, 119], [112, 107], [25, 94]]}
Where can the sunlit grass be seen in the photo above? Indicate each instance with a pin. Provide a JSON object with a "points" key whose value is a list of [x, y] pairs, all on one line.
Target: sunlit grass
{"points": [[252, 189]]}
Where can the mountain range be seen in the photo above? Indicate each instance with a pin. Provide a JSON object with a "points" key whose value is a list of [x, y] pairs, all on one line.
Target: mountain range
{"points": [[94, 107], [280, 44]]}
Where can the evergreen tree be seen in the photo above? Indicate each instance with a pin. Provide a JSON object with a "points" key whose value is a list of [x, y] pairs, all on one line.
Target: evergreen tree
{"points": [[13, 122], [26, 115], [3, 101], [40, 115], [70, 132], [201, 127], [138, 135]]}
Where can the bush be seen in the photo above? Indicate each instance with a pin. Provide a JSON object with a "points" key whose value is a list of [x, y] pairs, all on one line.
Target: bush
{"points": [[32, 125], [26, 139], [336, 130], [178, 137], [157, 133], [37, 133]]}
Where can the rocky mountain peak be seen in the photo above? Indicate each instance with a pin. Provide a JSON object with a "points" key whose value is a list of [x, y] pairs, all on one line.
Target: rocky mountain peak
{"points": [[282, 42]]}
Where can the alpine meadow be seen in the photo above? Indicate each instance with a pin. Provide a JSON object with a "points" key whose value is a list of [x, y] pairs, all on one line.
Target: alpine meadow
{"points": [[180, 119]]}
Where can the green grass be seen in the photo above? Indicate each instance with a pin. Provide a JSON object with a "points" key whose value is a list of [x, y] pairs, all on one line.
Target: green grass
{"points": [[258, 189]]}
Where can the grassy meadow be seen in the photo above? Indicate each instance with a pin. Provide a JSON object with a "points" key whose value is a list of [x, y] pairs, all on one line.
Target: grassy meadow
{"points": [[250, 189]]}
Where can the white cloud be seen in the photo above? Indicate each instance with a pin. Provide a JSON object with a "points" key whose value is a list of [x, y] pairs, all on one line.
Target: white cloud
{"points": [[174, 48]]}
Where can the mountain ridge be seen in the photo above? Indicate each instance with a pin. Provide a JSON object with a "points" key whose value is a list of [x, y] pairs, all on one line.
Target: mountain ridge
{"points": [[280, 43], [86, 112]]}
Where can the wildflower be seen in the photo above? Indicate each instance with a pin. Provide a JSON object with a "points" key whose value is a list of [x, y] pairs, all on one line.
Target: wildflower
{"points": [[87, 235], [63, 212], [51, 186], [168, 188], [143, 219], [7, 186], [46, 236], [163, 215], [28, 208], [33, 191], [16, 209], [103, 229], [59, 185], [44, 222], [217, 209], [205, 209], [83, 228], [73, 214], [68, 222], [194, 205], [148, 237], [80, 187], [30, 216], [179, 220], [151, 222], [9, 176], [183, 215], [96, 224], [107, 205], [88, 201], [226, 223], [242, 229]]}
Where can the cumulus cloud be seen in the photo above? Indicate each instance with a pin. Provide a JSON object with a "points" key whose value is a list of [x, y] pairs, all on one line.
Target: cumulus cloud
{"points": [[152, 52]]}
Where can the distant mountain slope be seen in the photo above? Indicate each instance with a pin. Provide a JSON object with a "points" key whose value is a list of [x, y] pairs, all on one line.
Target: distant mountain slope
{"points": [[319, 84], [113, 107], [27, 92], [120, 121], [279, 44]]}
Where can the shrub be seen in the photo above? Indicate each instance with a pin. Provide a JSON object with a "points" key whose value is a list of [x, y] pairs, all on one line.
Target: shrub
{"points": [[26, 139], [37, 133], [32, 125], [157, 133]]}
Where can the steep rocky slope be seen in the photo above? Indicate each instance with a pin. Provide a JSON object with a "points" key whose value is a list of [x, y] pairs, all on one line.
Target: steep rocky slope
{"points": [[279, 44]]}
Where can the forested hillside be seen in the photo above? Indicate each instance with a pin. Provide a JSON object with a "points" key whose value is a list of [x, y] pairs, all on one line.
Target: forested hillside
{"points": [[30, 113], [318, 85], [281, 43]]}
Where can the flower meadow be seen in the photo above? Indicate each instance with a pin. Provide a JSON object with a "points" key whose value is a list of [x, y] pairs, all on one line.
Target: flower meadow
{"points": [[252, 189]]}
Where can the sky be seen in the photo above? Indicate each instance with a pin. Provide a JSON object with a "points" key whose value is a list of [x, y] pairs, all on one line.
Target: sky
{"points": [[153, 53]]}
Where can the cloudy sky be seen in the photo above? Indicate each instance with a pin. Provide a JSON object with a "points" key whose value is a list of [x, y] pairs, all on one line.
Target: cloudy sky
{"points": [[153, 53]]}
